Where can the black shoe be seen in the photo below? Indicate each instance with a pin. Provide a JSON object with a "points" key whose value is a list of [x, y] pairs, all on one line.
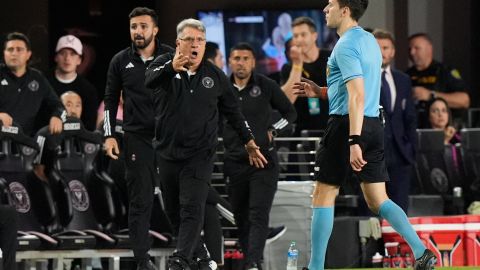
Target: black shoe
{"points": [[206, 264], [426, 262], [146, 265], [177, 263], [275, 233]]}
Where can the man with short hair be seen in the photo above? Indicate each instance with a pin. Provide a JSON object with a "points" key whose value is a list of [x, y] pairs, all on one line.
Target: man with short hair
{"points": [[431, 79], [24, 90], [127, 72], [68, 56], [309, 61], [47, 142], [213, 54], [189, 95], [251, 190], [354, 133], [400, 122]]}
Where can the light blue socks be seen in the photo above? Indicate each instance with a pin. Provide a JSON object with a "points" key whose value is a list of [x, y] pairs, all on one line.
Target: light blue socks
{"points": [[322, 225], [399, 221]]}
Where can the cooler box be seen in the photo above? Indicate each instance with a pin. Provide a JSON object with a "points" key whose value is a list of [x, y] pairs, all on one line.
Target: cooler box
{"points": [[444, 235], [292, 208], [472, 239]]}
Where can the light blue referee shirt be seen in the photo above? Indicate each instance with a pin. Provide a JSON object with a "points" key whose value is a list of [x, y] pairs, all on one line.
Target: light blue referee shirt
{"points": [[356, 55]]}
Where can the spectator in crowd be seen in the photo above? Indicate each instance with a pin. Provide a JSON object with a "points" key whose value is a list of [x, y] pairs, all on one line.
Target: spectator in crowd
{"points": [[24, 90], [400, 122], [68, 56], [251, 190], [440, 117], [309, 61], [431, 79], [213, 54]]}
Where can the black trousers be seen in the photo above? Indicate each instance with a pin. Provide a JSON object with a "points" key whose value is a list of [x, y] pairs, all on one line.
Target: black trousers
{"points": [[185, 185], [398, 188], [8, 236], [251, 192], [212, 228], [141, 180]]}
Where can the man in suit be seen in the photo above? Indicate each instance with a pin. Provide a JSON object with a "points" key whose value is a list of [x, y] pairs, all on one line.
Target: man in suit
{"points": [[400, 122]]}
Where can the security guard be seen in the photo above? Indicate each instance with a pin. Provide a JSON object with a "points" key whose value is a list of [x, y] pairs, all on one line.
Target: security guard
{"points": [[431, 79], [189, 94], [24, 90], [127, 73], [251, 190]]}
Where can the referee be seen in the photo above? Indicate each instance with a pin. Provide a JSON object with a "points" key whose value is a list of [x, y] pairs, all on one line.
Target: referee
{"points": [[189, 94], [354, 135], [127, 73]]}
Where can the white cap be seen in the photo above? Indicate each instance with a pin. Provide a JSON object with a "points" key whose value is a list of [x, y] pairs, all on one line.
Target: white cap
{"points": [[70, 41]]}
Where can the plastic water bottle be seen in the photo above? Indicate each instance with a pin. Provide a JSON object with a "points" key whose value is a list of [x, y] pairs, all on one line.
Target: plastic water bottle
{"points": [[292, 258]]}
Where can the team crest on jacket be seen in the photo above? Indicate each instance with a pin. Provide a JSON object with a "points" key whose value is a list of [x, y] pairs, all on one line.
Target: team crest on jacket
{"points": [[33, 85], [208, 82], [255, 91], [19, 197], [79, 195]]}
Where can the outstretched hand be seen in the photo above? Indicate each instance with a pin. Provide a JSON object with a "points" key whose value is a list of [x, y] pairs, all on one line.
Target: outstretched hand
{"points": [[308, 88]]}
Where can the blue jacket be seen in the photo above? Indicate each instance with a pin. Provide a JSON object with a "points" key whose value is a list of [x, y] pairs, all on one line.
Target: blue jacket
{"points": [[401, 123]]}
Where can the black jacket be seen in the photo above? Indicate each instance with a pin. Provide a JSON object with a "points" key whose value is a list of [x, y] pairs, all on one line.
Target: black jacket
{"points": [[86, 91], [187, 108], [257, 101], [127, 72], [22, 98]]}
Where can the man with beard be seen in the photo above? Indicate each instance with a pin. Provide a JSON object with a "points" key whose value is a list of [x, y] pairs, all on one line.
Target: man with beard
{"points": [[127, 72], [251, 190]]}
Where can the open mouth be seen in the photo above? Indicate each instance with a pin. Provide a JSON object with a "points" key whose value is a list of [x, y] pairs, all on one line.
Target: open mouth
{"points": [[194, 55]]}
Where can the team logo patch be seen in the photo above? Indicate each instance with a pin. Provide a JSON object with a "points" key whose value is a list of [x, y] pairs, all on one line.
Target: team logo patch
{"points": [[89, 148], [327, 71], [79, 194], [255, 91], [33, 85], [19, 197], [208, 82], [456, 74]]}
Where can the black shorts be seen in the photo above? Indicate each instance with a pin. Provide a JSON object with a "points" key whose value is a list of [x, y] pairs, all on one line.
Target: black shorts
{"points": [[332, 163]]}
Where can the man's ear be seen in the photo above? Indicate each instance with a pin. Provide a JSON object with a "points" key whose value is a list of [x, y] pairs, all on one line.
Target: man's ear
{"points": [[29, 54]]}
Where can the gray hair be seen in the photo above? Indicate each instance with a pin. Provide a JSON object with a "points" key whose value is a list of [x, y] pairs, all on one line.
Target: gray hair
{"points": [[192, 23]]}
